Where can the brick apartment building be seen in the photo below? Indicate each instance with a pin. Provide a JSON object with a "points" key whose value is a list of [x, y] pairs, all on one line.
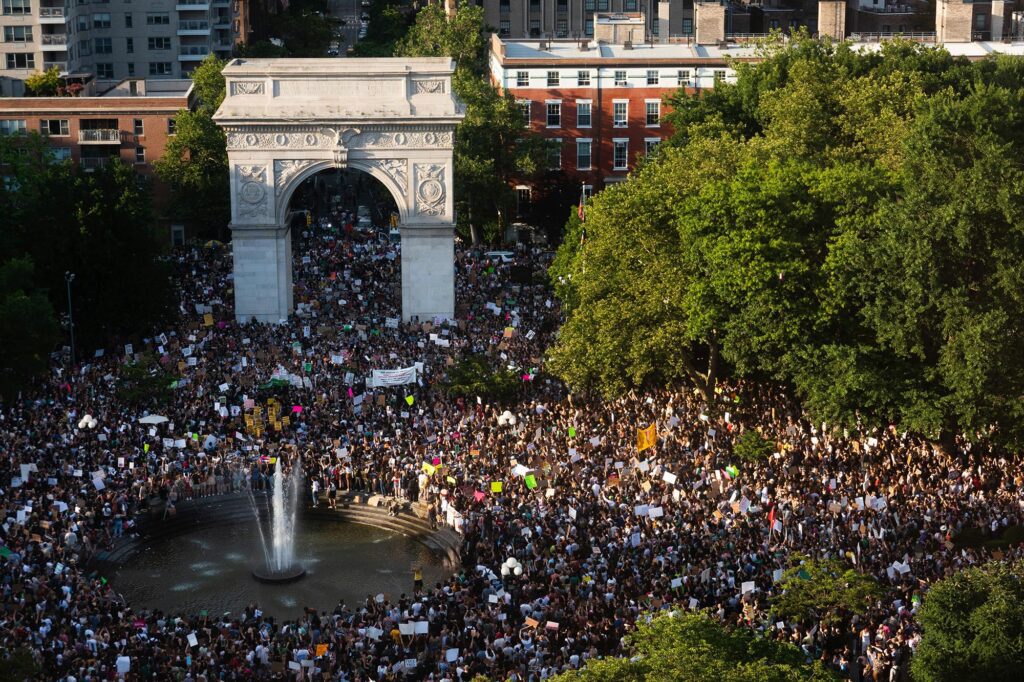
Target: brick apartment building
{"points": [[131, 121], [601, 103]]}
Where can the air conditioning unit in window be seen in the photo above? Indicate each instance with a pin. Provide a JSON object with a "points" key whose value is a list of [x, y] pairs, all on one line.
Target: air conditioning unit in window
{"points": [[627, 45]]}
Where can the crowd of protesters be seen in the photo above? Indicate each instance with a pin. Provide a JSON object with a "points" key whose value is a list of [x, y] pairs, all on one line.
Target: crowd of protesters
{"points": [[603, 533]]}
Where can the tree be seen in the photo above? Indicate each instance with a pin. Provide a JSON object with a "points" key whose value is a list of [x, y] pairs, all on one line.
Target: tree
{"points": [[101, 230], [43, 84], [492, 144], [691, 647], [28, 326], [823, 589], [853, 232], [195, 161], [973, 624]]}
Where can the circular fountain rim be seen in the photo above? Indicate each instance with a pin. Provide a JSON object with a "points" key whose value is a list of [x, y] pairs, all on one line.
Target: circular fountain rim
{"points": [[287, 575]]}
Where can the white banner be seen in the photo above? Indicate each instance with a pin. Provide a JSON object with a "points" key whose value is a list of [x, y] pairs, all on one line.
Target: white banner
{"points": [[393, 377]]}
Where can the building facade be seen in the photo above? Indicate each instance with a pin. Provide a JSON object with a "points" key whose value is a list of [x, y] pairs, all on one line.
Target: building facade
{"points": [[114, 40], [602, 106]]}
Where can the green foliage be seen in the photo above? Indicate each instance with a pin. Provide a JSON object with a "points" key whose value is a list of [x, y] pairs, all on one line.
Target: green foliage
{"points": [[304, 28], [195, 161], [823, 589], [144, 382], [19, 665], [28, 326], [692, 647], [43, 84], [751, 446], [973, 625], [101, 230], [492, 143], [472, 377], [849, 223]]}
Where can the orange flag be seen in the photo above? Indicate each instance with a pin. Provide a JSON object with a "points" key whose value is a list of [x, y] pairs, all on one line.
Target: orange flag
{"points": [[646, 438]]}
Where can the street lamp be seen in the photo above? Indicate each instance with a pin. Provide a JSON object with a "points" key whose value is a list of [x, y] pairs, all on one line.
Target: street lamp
{"points": [[69, 277]]}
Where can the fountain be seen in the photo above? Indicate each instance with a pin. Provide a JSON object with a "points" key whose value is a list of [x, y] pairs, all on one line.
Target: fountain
{"points": [[279, 556]]}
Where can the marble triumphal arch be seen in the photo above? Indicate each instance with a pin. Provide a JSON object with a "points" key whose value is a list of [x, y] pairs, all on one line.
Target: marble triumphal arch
{"points": [[287, 119]]}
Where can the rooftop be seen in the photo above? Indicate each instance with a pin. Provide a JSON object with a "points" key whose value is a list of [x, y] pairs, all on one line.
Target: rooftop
{"points": [[333, 67]]}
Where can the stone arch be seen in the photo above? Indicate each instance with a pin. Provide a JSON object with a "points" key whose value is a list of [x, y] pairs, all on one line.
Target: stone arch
{"points": [[287, 119], [284, 194]]}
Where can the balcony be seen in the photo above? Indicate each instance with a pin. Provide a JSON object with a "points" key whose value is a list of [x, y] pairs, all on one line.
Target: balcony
{"points": [[91, 163], [60, 66], [51, 15], [888, 9], [99, 136], [192, 6], [54, 42], [193, 28], [195, 53]]}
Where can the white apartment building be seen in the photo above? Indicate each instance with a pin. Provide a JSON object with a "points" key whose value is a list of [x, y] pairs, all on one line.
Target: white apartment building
{"points": [[114, 39]]}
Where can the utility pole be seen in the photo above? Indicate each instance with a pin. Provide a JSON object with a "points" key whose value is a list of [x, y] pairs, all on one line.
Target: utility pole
{"points": [[69, 277]]}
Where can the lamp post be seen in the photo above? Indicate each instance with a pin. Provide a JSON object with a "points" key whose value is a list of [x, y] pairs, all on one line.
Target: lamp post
{"points": [[69, 277]]}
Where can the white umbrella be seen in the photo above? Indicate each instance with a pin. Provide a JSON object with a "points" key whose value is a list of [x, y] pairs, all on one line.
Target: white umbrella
{"points": [[153, 419]]}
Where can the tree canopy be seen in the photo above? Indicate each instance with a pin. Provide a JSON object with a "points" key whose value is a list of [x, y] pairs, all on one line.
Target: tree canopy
{"points": [[846, 222], [692, 647], [973, 625]]}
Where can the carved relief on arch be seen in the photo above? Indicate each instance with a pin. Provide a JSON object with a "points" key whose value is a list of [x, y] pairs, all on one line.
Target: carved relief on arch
{"points": [[247, 88], [396, 169], [430, 189], [251, 200], [285, 170]]}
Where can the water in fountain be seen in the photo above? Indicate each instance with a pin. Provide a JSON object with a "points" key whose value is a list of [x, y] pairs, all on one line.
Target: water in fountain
{"points": [[284, 503]]}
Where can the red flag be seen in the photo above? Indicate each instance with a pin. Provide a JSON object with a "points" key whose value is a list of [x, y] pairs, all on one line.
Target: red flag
{"points": [[580, 212], [771, 518]]}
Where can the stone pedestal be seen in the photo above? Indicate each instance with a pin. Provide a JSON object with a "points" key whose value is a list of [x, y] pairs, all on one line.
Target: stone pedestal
{"points": [[263, 273], [428, 272]]}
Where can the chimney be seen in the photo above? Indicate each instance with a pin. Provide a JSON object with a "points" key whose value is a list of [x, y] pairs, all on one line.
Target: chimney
{"points": [[953, 21], [832, 19], [709, 20], [998, 21], [663, 21]]}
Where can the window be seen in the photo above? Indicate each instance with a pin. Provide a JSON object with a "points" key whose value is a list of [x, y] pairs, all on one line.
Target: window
{"points": [[629, 6], [535, 28], [553, 79], [979, 21], [554, 117], [589, 5], [588, 191], [54, 126], [105, 71], [620, 113], [84, 47], [687, 27], [172, 127], [158, 19], [160, 69], [582, 154], [138, 126], [104, 45], [654, 26], [588, 27], [131, 69], [13, 127], [683, 78], [101, 20], [159, 43], [21, 61], [83, 22], [652, 77], [140, 155], [17, 34], [522, 196], [561, 28], [583, 113], [719, 75], [583, 79], [524, 106], [129, 45], [602, 5], [505, 6], [177, 235], [554, 150], [523, 79], [620, 78], [504, 27], [58, 154], [127, 20], [653, 112], [650, 144], [620, 155], [17, 6]]}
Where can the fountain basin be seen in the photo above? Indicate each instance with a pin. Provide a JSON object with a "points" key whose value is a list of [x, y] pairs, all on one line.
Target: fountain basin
{"points": [[287, 575]]}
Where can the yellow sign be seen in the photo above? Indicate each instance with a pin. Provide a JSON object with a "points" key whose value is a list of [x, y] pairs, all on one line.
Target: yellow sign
{"points": [[646, 438]]}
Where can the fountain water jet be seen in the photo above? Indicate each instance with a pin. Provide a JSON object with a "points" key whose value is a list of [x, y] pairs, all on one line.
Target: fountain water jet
{"points": [[281, 566]]}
